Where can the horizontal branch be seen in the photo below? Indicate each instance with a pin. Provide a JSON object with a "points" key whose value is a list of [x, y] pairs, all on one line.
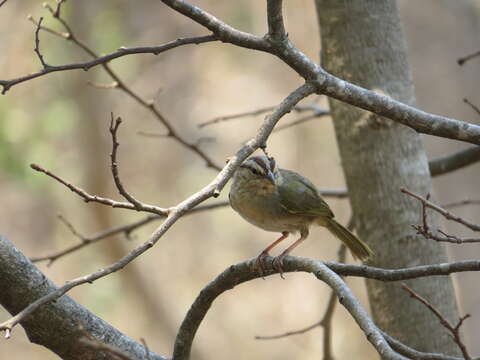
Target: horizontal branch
{"points": [[123, 51]]}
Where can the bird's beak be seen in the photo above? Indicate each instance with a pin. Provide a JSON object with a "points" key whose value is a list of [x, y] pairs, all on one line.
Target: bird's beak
{"points": [[271, 177]]}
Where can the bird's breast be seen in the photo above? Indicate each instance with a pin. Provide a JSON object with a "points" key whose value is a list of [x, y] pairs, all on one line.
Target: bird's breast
{"points": [[259, 204]]}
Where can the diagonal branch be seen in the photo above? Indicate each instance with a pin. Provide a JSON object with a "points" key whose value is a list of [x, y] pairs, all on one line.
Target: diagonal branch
{"points": [[101, 200], [118, 83], [25, 283], [175, 213], [441, 211], [454, 161], [329, 85], [454, 330]]}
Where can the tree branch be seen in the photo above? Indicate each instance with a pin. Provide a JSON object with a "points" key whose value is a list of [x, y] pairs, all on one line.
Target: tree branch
{"points": [[57, 325], [123, 51], [329, 85], [442, 211], [454, 161], [211, 190], [454, 330], [118, 83], [245, 271], [276, 28]]}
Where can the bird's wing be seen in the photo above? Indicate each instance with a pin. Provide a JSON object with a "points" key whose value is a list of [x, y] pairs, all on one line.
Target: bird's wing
{"points": [[299, 196]]}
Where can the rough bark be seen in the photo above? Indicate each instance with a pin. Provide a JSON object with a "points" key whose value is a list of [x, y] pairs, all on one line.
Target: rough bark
{"points": [[57, 325], [362, 42]]}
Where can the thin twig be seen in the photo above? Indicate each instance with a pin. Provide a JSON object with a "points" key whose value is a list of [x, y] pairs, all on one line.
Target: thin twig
{"points": [[454, 330], [123, 51], [464, 59], [37, 45], [3, 2], [118, 83], [256, 112], [123, 229], [473, 106], [114, 125], [101, 200], [442, 211], [464, 202]]}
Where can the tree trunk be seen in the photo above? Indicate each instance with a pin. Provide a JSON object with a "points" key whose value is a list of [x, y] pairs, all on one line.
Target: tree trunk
{"points": [[362, 42]]}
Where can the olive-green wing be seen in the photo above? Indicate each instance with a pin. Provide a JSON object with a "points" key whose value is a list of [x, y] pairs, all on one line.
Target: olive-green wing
{"points": [[299, 196]]}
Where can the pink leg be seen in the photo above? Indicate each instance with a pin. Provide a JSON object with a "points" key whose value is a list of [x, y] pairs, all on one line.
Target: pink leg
{"points": [[261, 258], [278, 261]]}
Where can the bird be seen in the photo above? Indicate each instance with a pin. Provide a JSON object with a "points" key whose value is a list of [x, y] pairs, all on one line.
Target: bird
{"points": [[284, 201]]}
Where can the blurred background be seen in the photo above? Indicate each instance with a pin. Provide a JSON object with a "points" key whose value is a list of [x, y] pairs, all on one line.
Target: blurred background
{"points": [[61, 123]]}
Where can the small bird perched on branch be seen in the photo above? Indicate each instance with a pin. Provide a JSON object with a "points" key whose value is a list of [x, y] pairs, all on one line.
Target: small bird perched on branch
{"points": [[284, 201]]}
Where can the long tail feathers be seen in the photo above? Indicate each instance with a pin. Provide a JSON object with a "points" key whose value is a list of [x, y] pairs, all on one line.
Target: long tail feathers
{"points": [[358, 248]]}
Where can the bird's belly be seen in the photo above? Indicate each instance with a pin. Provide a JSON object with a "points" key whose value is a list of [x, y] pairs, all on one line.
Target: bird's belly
{"points": [[266, 213]]}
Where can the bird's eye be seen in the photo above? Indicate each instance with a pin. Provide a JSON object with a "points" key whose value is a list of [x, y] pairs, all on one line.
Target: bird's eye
{"points": [[255, 171]]}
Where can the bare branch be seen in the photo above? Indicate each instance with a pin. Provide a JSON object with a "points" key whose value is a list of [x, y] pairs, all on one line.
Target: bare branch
{"points": [[329, 85], [454, 330], [461, 203], [245, 271], [299, 108], [25, 284], [118, 83], [123, 51], [114, 124], [325, 322], [464, 59], [123, 229], [473, 106], [414, 354], [101, 200], [211, 190], [276, 28], [443, 212], [3, 2], [37, 45], [454, 161]]}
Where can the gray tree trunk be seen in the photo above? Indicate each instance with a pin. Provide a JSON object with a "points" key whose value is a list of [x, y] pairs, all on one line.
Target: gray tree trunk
{"points": [[362, 42]]}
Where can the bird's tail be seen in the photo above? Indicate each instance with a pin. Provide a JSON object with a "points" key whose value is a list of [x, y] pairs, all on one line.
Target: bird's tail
{"points": [[358, 248]]}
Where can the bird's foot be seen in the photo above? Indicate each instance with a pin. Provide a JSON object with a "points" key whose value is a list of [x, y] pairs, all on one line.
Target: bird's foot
{"points": [[277, 264], [260, 263]]}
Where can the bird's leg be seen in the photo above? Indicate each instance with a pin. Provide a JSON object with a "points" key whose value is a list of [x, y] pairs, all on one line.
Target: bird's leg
{"points": [[261, 258], [278, 261]]}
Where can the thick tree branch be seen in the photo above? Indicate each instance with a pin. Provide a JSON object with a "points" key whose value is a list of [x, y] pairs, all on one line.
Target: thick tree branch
{"points": [[58, 325], [276, 28], [245, 271], [329, 85]]}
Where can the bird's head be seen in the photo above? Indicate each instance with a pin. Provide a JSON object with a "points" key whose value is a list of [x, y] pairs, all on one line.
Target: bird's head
{"points": [[260, 168]]}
